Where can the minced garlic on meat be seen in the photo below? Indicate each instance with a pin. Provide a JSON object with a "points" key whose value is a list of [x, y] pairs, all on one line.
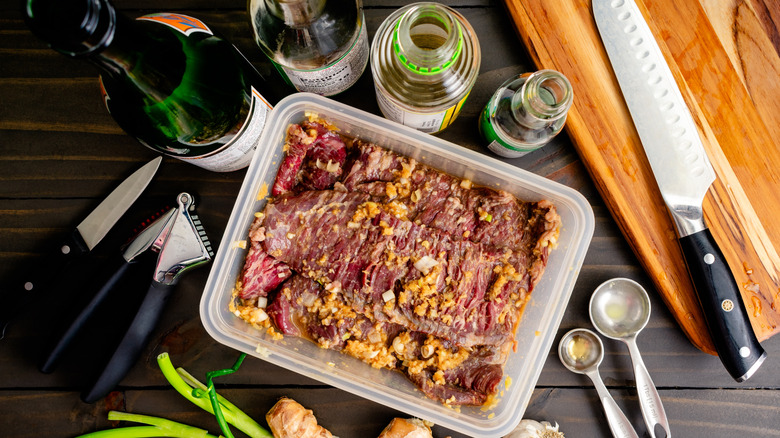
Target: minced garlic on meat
{"points": [[432, 287]]}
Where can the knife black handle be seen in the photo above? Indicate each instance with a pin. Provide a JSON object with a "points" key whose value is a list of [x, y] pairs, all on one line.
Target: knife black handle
{"points": [[132, 344], [721, 302], [118, 271], [39, 280]]}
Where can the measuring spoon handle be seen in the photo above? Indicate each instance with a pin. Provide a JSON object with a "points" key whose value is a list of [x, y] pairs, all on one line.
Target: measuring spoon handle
{"points": [[618, 423], [649, 400]]}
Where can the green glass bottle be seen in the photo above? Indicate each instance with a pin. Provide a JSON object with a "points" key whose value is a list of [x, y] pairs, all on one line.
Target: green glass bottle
{"points": [[526, 112], [166, 78]]}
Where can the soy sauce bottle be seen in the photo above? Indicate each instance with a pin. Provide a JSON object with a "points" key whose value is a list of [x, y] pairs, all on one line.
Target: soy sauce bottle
{"points": [[166, 79]]}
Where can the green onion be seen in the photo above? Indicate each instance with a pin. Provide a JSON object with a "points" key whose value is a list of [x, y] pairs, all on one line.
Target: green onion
{"points": [[205, 397], [194, 392], [157, 427]]}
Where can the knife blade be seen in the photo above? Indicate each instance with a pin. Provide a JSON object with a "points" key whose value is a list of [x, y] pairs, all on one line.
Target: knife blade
{"points": [[684, 174], [40, 278]]}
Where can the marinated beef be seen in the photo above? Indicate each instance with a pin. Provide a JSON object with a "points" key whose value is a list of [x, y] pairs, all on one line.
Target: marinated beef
{"points": [[396, 263]]}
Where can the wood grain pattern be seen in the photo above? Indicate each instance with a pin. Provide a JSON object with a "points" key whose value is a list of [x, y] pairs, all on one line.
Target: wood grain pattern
{"points": [[724, 57]]}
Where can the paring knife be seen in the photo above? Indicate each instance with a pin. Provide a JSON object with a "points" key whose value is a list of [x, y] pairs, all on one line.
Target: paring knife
{"points": [[84, 238], [128, 264], [683, 173]]}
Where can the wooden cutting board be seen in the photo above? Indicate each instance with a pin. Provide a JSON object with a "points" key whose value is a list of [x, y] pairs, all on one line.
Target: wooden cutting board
{"points": [[724, 56]]}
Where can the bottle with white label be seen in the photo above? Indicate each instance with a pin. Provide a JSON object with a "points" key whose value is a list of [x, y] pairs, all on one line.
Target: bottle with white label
{"points": [[318, 46], [425, 59], [526, 112], [166, 79]]}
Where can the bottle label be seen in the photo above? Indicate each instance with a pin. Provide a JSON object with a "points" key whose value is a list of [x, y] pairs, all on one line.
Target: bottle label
{"points": [[495, 144], [430, 122], [334, 78], [182, 23], [238, 153], [499, 149]]}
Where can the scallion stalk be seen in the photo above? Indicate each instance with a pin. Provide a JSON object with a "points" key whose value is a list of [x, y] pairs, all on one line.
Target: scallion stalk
{"points": [[157, 427], [195, 393]]}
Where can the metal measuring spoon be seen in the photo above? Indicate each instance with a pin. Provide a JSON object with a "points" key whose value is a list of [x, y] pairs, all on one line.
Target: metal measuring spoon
{"points": [[581, 351], [620, 309]]}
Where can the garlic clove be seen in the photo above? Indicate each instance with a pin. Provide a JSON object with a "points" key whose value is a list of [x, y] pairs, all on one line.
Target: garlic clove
{"points": [[535, 429]]}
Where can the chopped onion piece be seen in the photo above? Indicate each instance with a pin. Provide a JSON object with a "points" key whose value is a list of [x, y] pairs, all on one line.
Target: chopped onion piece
{"points": [[375, 337], [258, 315], [308, 299], [332, 167], [334, 286], [398, 346], [425, 264], [262, 302], [388, 295]]}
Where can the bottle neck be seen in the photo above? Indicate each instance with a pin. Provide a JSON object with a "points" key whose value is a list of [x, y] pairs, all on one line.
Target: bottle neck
{"points": [[93, 30], [427, 39], [544, 97], [296, 13], [74, 28]]}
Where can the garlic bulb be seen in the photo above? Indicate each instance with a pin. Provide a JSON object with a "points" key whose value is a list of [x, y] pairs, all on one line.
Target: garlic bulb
{"points": [[535, 429]]}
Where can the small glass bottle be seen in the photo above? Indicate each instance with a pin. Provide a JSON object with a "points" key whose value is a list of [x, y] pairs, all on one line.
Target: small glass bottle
{"points": [[318, 46], [526, 112], [425, 59], [166, 79]]}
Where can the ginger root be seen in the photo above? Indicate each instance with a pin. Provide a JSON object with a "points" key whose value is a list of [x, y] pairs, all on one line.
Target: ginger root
{"points": [[288, 419], [402, 428]]}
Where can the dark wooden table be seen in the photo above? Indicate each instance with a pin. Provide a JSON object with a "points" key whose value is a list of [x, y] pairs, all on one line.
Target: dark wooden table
{"points": [[61, 153]]}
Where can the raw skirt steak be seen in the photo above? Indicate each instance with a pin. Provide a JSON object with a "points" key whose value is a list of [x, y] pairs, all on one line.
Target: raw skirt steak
{"points": [[398, 264]]}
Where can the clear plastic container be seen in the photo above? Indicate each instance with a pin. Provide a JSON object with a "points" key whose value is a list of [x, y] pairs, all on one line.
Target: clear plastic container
{"points": [[538, 326]]}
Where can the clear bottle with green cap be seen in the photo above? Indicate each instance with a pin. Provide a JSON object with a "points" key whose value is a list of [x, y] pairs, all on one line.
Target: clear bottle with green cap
{"points": [[526, 112], [425, 59]]}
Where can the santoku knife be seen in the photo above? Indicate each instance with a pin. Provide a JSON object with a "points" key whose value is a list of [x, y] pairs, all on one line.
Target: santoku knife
{"points": [[683, 173], [86, 236]]}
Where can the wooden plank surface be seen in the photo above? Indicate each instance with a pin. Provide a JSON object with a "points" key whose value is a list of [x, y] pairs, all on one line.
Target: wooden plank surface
{"points": [[60, 153], [724, 58]]}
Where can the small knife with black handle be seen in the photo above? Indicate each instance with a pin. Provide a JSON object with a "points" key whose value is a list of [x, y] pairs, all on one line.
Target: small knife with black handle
{"points": [[683, 173], [39, 279], [131, 262]]}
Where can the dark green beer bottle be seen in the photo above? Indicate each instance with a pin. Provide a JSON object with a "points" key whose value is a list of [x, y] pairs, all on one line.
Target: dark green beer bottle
{"points": [[166, 78]]}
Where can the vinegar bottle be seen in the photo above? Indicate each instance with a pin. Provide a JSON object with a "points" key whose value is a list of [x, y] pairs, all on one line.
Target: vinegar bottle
{"points": [[318, 46], [526, 112], [425, 59], [166, 79]]}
